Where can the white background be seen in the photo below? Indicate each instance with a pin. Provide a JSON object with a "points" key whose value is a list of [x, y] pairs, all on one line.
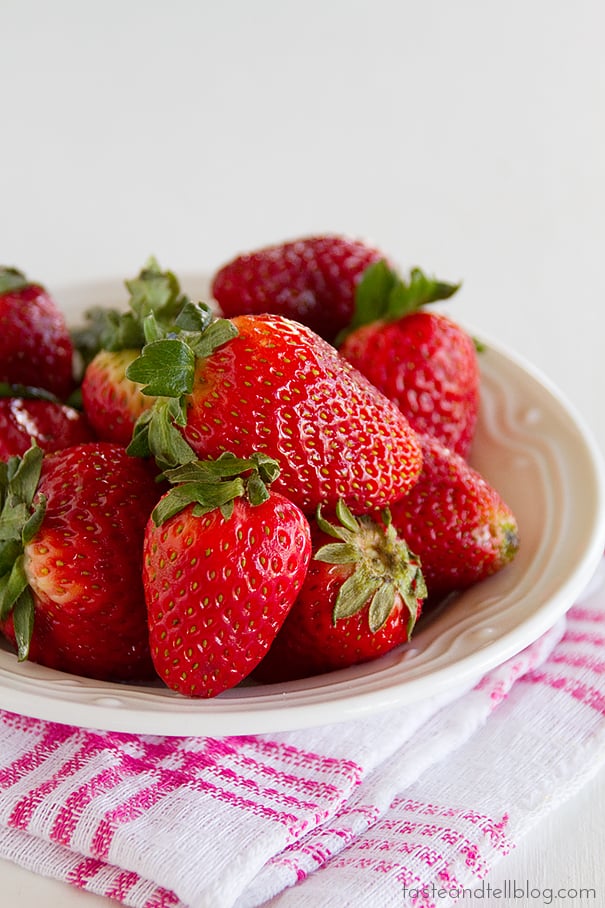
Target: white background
{"points": [[467, 137]]}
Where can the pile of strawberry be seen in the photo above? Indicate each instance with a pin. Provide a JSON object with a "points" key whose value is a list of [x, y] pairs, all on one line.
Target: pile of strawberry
{"points": [[269, 488]]}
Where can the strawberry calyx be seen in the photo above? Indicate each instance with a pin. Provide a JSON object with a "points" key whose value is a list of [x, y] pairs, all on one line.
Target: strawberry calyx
{"points": [[11, 279], [153, 292], [382, 294], [211, 484], [166, 370], [21, 515], [384, 567]]}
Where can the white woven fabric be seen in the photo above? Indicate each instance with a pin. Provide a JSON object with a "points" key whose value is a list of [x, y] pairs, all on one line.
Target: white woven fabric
{"points": [[401, 809]]}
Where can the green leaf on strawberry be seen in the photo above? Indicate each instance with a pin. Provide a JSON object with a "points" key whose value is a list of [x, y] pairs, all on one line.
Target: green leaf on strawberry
{"points": [[10, 550], [23, 623], [11, 279], [226, 466], [154, 293], [156, 435], [22, 476], [215, 335], [384, 567], [211, 484], [19, 478], [206, 495], [383, 294], [194, 317], [166, 370], [14, 582]]}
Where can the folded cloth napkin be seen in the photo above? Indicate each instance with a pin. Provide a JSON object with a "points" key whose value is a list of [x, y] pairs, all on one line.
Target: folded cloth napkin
{"points": [[404, 808]]}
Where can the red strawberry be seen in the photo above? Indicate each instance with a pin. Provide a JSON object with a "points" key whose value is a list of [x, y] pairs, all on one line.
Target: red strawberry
{"points": [[455, 521], [224, 560], [71, 592], [111, 401], [278, 388], [422, 361], [25, 420], [111, 340], [35, 346], [311, 280], [360, 599]]}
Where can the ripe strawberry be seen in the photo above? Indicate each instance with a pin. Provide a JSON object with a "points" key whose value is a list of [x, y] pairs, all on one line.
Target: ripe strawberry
{"points": [[111, 340], [35, 346], [311, 280], [455, 521], [28, 419], [111, 401], [71, 592], [422, 361], [266, 383], [360, 599], [223, 562]]}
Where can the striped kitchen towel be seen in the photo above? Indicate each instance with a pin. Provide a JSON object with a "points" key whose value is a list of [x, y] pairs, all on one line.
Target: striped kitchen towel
{"points": [[402, 808]]}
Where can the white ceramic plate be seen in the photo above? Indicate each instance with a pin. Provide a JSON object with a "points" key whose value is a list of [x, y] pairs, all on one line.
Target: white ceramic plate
{"points": [[533, 449]]}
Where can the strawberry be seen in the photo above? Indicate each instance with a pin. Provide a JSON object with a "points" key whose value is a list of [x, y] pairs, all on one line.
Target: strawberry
{"points": [[311, 280], [111, 401], [360, 599], [224, 559], [71, 591], [35, 346], [111, 340], [269, 384], [455, 521], [28, 416], [422, 361]]}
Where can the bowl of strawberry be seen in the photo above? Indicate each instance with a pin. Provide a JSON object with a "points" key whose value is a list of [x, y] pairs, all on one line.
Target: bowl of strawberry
{"points": [[288, 495]]}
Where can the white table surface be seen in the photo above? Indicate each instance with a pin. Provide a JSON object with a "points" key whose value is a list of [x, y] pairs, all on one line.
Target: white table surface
{"points": [[467, 137]]}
